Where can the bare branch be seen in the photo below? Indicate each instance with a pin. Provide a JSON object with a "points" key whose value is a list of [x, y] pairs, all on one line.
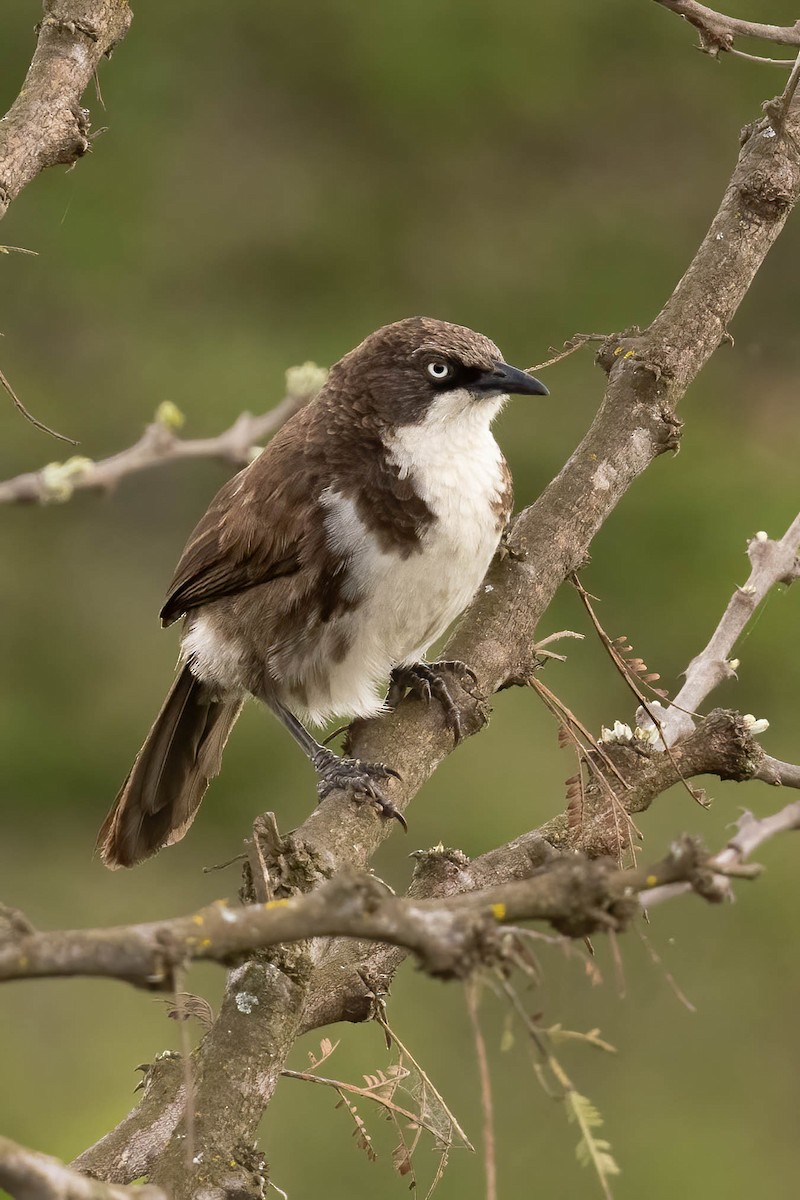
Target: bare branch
{"points": [[449, 937], [759, 58], [160, 444], [750, 834], [46, 124], [29, 1175], [717, 30], [780, 774], [772, 562]]}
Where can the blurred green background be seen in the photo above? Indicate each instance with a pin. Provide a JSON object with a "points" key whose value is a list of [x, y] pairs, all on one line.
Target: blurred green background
{"points": [[276, 181]]}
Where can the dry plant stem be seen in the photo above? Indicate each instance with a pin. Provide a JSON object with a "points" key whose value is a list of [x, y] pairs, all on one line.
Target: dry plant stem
{"points": [[46, 125], [28, 1175], [158, 446], [772, 562]]}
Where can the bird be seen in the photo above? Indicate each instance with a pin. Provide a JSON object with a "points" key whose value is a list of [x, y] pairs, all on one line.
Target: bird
{"points": [[328, 566]]}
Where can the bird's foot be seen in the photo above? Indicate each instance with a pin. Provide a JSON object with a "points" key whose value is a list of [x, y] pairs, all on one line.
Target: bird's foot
{"points": [[359, 778], [428, 681]]}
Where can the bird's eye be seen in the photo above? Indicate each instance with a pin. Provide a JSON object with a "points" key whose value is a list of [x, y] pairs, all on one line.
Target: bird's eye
{"points": [[439, 370]]}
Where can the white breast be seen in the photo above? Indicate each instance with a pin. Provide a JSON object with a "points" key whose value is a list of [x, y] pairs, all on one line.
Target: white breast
{"points": [[407, 603]]}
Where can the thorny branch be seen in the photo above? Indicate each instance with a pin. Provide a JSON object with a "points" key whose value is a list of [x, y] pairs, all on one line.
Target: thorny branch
{"points": [[239, 1062]]}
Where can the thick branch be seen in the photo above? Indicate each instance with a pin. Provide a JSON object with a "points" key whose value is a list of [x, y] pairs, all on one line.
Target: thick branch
{"points": [[449, 936], [46, 124], [29, 1175]]}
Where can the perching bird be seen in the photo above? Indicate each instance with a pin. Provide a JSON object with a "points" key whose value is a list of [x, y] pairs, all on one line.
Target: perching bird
{"points": [[330, 563]]}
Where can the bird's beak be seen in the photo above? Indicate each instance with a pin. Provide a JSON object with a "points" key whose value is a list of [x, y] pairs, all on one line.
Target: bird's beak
{"points": [[510, 380]]}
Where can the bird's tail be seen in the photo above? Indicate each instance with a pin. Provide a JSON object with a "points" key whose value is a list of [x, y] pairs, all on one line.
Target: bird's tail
{"points": [[182, 752]]}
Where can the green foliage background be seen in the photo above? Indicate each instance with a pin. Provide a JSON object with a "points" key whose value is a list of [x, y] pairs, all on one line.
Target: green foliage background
{"points": [[276, 181]]}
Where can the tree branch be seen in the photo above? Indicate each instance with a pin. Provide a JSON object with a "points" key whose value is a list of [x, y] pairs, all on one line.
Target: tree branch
{"points": [[647, 375], [772, 562], [46, 124], [160, 444], [449, 936], [751, 834], [717, 30], [29, 1175]]}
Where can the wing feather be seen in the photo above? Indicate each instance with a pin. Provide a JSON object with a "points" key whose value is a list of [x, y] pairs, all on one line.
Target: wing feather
{"points": [[253, 530]]}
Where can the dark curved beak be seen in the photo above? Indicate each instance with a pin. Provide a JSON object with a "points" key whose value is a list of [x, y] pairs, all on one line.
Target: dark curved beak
{"points": [[510, 380]]}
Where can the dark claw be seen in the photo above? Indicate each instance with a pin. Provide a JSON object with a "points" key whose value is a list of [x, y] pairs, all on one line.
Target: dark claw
{"points": [[425, 681], [359, 779]]}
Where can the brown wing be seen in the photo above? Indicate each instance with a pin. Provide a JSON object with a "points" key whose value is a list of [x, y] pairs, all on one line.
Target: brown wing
{"points": [[253, 530]]}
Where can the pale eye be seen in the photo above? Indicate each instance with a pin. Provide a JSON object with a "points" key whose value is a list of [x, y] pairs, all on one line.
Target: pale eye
{"points": [[439, 370]]}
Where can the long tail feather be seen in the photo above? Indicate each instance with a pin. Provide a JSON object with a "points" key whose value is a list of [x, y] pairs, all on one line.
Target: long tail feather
{"points": [[182, 752]]}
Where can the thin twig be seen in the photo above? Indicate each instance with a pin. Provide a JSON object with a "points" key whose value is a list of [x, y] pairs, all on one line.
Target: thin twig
{"points": [[760, 58], [61, 437], [570, 346]]}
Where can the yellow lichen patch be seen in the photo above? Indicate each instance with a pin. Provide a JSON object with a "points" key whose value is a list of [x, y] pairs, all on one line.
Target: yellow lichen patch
{"points": [[618, 350], [197, 919], [651, 880], [630, 354], [499, 912], [276, 904]]}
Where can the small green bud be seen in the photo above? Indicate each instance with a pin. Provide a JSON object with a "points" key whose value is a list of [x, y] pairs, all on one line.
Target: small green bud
{"points": [[306, 380], [169, 415], [58, 479]]}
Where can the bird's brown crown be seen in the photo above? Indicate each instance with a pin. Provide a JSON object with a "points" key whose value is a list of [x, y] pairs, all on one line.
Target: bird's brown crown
{"points": [[417, 336]]}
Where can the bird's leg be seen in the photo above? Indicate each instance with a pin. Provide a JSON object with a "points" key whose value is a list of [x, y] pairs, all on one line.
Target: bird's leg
{"points": [[333, 772], [428, 681]]}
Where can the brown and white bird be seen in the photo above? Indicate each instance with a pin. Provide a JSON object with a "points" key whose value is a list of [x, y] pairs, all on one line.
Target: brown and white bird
{"points": [[330, 563]]}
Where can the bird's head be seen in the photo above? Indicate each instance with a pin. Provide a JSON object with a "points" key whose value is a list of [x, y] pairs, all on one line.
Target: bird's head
{"points": [[421, 369]]}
